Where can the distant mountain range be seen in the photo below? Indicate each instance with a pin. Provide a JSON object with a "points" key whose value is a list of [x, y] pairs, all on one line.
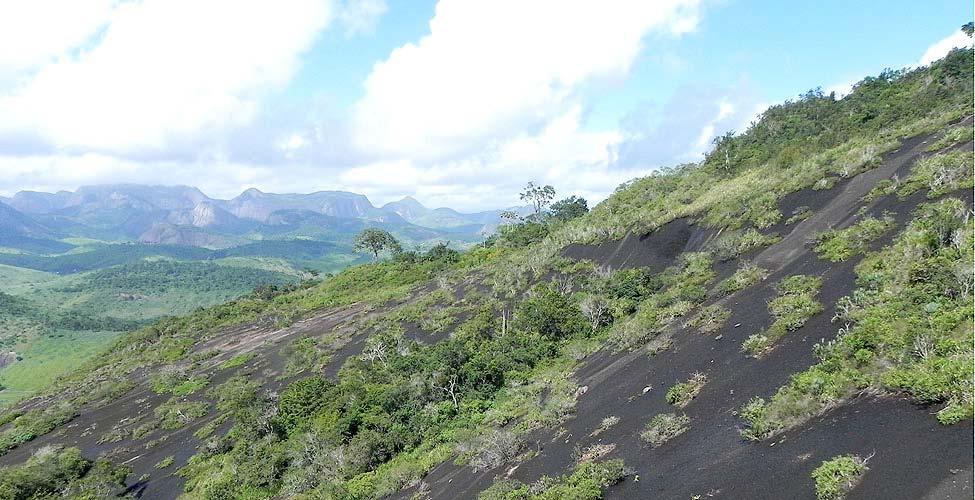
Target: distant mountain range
{"points": [[183, 215]]}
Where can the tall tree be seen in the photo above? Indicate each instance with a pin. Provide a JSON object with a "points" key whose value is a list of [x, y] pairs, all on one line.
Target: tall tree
{"points": [[538, 196], [569, 208], [376, 240]]}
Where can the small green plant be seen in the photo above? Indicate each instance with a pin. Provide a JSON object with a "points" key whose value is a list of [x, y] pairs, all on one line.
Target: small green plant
{"points": [[952, 136], [794, 305], [166, 462], [709, 319], [174, 414], [800, 213], [836, 477], [606, 424], [746, 275], [681, 394], [664, 427], [733, 244], [940, 174], [588, 481], [237, 360], [841, 244]]}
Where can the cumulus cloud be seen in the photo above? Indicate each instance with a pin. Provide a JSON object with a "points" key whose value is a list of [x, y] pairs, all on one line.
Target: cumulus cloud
{"points": [[492, 69], [682, 129], [162, 71], [31, 34], [941, 48], [360, 16]]}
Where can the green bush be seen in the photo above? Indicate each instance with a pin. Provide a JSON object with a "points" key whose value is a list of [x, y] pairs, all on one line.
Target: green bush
{"points": [[909, 328], [940, 174], [664, 427], [795, 304], [745, 276], [53, 473], [841, 244], [836, 477], [587, 482], [709, 319], [547, 312], [681, 394]]}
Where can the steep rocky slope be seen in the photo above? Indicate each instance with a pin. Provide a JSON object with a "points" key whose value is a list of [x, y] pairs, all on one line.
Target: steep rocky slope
{"points": [[738, 328]]}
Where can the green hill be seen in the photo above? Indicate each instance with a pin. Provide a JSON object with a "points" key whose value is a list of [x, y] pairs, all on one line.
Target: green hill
{"points": [[790, 317]]}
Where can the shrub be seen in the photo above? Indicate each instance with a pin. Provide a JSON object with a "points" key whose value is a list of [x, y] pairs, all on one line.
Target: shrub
{"points": [[664, 427], [793, 306], [549, 313], [800, 213], [681, 394], [952, 136], [237, 360], [841, 244], [57, 473], [836, 477], [733, 244], [908, 328], [940, 174], [606, 424], [709, 319], [587, 481], [747, 275], [174, 414], [494, 449], [166, 462], [300, 400]]}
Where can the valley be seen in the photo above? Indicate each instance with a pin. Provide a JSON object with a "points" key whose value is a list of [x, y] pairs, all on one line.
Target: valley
{"points": [[79, 269]]}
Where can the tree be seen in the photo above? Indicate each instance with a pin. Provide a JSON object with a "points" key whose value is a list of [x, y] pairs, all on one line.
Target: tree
{"points": [[510, 215], [968, 28], [538, 196], [376, 240], [569, 208], [549, 313]]}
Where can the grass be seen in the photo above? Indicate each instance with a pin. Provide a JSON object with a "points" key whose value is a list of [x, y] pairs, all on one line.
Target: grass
{"points": [[841, 244], [954, 135], [166, 462], [664, 427], [710, 319], [733, 244], [745, 276], [237, 360], [681, 394], [588, 481], [837, 476], [795, 304], [47, 358], [908, 329], [939, 174]]}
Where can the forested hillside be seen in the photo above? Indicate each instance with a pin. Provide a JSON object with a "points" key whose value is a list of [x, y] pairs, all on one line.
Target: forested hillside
{"points": [[789, 318]]}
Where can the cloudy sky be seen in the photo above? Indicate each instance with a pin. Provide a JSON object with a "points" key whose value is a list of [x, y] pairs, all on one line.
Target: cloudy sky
{"points": [[456, 102]]}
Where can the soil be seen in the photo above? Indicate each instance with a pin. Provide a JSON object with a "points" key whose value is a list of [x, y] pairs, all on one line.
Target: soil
{"points": [[913, 456]]}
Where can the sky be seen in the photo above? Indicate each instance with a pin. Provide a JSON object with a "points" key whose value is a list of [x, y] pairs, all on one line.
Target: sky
{"points": [[457, 103]]}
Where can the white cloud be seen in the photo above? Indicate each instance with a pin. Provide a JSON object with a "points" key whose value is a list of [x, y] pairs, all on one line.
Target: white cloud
{"points": [[360, 16], [492, 69], [34, 32], [162, 71], [941, 48], [575, 161]]}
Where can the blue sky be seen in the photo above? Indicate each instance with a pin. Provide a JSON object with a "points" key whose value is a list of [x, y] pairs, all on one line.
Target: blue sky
{"points": [[456, 103]]}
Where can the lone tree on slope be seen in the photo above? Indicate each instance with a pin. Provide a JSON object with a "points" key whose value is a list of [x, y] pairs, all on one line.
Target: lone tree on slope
{"points": [[538, 196], [375, 240]]}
